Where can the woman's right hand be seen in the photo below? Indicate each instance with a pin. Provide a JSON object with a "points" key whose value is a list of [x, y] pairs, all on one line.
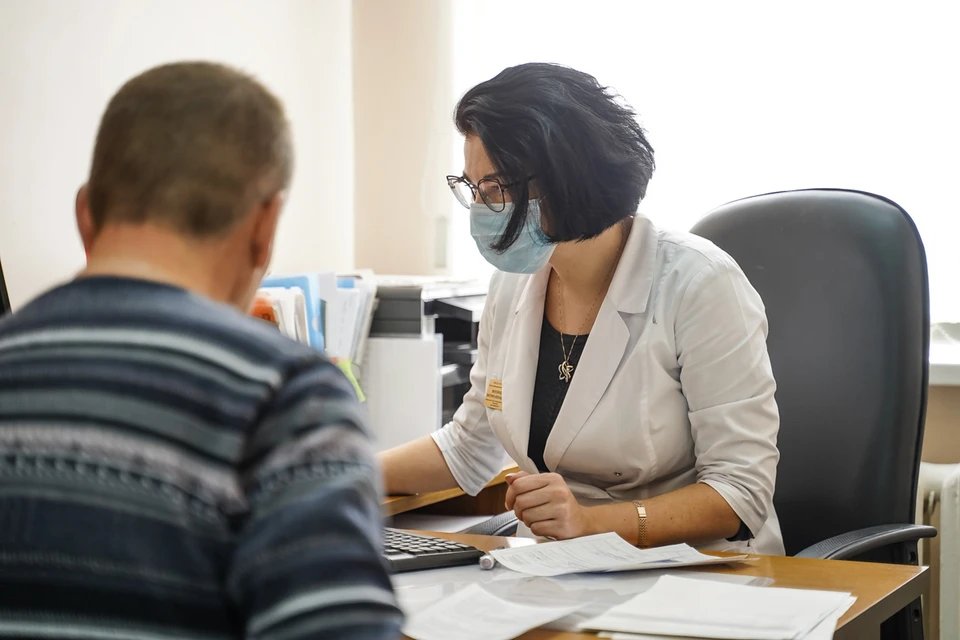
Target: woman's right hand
{"points": [[546, 505]]}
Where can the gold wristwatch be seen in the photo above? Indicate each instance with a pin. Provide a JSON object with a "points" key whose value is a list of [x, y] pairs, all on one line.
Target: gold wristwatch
{"points": [[642, 522]]}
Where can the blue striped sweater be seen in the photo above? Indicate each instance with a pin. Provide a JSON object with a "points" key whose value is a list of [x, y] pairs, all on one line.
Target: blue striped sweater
{"points": [[171, 468]]}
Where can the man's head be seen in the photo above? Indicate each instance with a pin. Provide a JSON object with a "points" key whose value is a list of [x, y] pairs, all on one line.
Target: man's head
{"points": [[197, 153]]}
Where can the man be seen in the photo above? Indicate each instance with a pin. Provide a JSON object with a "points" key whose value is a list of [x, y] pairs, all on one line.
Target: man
{"points": [[169, 466]]}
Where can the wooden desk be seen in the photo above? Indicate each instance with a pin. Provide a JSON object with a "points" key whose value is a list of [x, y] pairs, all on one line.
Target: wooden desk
{"points": [[881, 589], [489, 501]]}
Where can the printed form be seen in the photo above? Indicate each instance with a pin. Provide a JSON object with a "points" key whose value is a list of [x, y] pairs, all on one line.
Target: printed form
{"points": [[602, 552], [723, 611]]}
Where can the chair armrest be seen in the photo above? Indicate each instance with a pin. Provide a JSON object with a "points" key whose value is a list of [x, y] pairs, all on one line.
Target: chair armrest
{"points": [[854, 543], [504, 524]]}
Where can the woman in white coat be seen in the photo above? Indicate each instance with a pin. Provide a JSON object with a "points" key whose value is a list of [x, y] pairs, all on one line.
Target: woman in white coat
{"points": [[623, 368]]}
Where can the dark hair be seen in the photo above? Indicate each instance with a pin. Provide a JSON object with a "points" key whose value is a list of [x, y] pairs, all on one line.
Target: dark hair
{"points": [[189, 145], [584, 147]]}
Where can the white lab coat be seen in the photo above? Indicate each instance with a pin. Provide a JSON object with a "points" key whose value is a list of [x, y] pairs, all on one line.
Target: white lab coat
{"points": [[673, 387]]}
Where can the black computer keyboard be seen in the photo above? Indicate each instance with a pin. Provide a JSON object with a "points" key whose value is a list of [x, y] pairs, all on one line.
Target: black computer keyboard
{"points": [[414, 552]]}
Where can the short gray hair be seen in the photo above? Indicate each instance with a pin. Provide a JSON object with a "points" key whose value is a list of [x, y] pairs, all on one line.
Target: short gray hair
{"points": [[191, 146]]}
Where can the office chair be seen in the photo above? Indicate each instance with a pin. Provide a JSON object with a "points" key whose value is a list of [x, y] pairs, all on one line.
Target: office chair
{"points": [[843, 276], [504, 524]]}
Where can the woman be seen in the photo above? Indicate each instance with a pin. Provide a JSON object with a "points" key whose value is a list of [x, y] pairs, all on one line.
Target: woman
{"points": [[622, 367]]}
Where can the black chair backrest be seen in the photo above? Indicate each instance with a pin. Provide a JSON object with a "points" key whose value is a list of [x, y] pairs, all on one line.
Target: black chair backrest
{"points": [[843, 277]]}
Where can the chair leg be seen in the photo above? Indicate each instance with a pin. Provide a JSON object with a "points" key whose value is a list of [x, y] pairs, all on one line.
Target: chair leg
{"points": [[906, 624]]}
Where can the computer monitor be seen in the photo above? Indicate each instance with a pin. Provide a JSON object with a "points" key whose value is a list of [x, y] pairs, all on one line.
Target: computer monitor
{"points": [[4, 298]]}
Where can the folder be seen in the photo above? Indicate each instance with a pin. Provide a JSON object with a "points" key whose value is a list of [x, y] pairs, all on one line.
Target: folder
{"points": [[332, 314], [347, 320], [318, 289], [263, 308], [288, 307]]}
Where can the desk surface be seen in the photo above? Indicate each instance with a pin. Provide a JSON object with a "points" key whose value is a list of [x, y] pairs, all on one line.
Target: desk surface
{"points": [[392, 505], [881, 589]]}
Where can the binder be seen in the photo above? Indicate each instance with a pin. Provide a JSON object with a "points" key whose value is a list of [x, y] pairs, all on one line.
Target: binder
{"points": [[347, 322], [318, 289], [288, 308]]}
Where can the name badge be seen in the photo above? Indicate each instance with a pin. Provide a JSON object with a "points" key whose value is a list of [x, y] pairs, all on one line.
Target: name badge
{"points": [[494, 398]]}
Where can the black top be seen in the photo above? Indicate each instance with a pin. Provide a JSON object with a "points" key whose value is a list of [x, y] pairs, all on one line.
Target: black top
{"points": [[549, 390]]}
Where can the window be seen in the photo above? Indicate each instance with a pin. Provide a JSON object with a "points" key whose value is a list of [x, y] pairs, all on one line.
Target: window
{"points": [[741, 98]]}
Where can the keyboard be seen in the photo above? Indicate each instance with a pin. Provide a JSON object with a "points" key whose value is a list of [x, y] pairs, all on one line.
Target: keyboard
{"points": [[405, 551]]}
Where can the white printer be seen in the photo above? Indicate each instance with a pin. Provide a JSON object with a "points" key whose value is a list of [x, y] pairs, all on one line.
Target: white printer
{"points": [[422, 344]]}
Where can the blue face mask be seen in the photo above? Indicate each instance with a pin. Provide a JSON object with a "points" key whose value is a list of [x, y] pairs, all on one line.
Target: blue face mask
{"points": [[528, 254]]}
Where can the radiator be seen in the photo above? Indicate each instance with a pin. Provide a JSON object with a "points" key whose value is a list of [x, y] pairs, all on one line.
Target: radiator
{"points": [[938, 505]]}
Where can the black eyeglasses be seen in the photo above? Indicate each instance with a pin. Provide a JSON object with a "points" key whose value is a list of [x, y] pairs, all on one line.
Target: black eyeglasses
{"points": [[492, 192]]}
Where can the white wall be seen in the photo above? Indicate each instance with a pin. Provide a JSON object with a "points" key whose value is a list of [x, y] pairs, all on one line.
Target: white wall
{"points": [[402, 74], [60, 61]]}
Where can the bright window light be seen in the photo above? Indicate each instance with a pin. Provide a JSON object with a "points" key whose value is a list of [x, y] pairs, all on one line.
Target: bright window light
{"points": [[742, 98]]}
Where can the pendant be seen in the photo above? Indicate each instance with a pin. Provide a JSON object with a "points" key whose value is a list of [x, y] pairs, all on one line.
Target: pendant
{"points": [[566, 371]]}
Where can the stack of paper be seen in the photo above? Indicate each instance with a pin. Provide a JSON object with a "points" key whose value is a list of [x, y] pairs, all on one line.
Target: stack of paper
{"points": [[349, 314], [317, 290], [474, 613], [286, 308], [331, 314], [602, 552], [700, 609], [348, 317]]}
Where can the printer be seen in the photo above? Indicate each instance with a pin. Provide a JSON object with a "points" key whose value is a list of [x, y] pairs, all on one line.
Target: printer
{"points": [[421, 347]]}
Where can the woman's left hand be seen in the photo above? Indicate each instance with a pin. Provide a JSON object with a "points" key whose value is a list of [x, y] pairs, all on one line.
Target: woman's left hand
{"points": [[544, 503]]}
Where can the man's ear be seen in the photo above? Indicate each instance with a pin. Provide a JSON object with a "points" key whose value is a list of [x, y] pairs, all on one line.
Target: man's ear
{"points": [[85, 224], [265, 229]]}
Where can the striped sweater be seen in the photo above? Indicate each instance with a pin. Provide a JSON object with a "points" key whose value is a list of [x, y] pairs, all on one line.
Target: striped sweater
{"points": [[170, 468]]}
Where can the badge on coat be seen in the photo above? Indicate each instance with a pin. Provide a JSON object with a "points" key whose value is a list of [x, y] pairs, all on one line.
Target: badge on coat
{"points": [[494, 398]]}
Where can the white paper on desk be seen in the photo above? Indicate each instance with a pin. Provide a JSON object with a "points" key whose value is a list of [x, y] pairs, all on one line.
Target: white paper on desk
{"points": [[823, 631], [723, 611], [595, 593], [602, 552], [474, 613]]}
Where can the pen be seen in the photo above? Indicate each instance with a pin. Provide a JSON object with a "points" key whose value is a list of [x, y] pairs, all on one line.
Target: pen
{"points": [[487, 561]]}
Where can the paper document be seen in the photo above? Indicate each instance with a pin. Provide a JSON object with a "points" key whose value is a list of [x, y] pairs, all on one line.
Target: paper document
{"points": [[290, 312], [823, 631], [343, 319], [602, 552], [317, 288], [475, 613], [701, 609], [365, 283]]}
